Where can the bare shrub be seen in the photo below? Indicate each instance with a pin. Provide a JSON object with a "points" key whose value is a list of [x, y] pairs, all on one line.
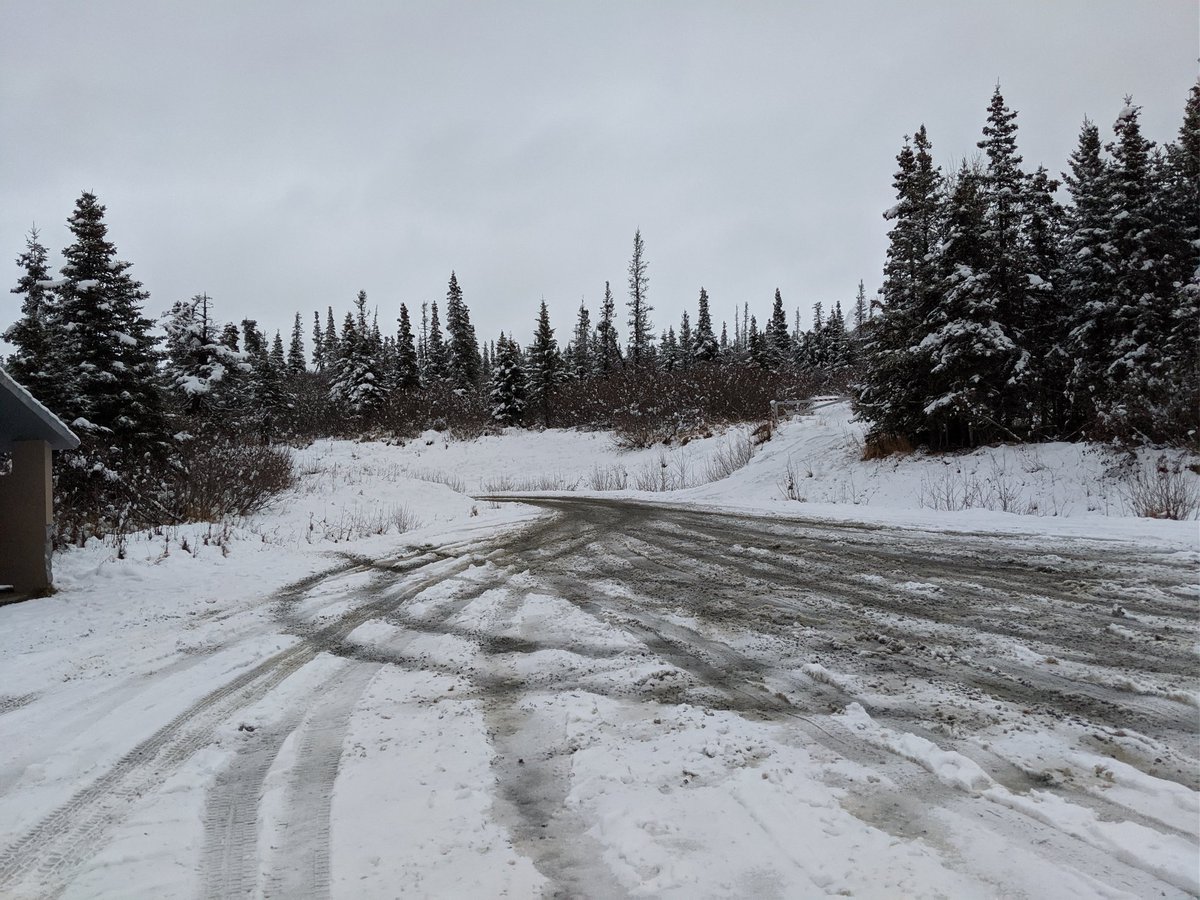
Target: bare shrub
{"points": [[608, 478], [789, 484], [217, 478], [437, 476], [735, 453], [354, 523], [1162, 490], [498, 484]]}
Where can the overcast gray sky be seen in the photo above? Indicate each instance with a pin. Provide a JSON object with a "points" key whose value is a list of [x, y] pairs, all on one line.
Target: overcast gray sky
{"points": [[282, 154]]}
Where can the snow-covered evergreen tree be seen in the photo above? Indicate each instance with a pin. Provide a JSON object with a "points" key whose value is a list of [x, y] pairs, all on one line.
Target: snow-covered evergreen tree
{"points": [[895, 372], [437, 354], [579, 353], [408, 375], [107, 361], [641, 331], [33, 363], [506, 396], [296, 365], [777, 341], [970, 354], [462, 347], [545, 367], [608, 347], [318, 339], [356, 383], [705, 347]]}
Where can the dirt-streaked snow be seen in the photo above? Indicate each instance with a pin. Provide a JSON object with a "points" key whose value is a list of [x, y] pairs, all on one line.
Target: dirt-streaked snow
{"points": [[313, 702]]}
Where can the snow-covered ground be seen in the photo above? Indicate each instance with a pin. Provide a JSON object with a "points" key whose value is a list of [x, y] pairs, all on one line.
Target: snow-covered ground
{"points": [[374, 688]]}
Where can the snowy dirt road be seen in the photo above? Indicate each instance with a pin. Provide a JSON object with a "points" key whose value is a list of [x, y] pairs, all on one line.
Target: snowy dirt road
{"points": [[635, 699]]}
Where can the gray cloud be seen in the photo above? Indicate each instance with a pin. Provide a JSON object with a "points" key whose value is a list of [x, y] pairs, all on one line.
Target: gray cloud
{"points": [[281, 155]]}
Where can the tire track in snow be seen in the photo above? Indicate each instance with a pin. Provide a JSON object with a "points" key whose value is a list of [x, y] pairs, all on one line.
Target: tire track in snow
{"points": [[302, 868], [44, 859]]}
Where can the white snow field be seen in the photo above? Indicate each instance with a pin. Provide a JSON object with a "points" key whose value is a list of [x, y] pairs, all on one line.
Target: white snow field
{"points": [[711, 691]]}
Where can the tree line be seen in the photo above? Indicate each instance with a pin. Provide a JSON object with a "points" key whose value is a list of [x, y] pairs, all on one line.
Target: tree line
{"points": [[1005, 315]]}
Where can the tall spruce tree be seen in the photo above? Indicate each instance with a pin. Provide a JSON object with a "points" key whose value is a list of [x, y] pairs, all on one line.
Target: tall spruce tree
{"points": [[464, 362], [971, 356], [706, 347], [408, 375], [296, 365], [108, 360], [1006, 266], [507, 392], [608, 347], [545, 368], [318, 339], [896, 373], [641, 331], [778, 342], [33, 363], [437, 364], [580, 362], [1088, 276]]}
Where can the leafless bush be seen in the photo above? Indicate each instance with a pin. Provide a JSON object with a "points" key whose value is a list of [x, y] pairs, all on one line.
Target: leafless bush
{"points": [[608, 478], [669, 472], [1162, 490], [554, 482], [437, 476], [735, 453], [355, 523], [217, 478], [789, 483]]}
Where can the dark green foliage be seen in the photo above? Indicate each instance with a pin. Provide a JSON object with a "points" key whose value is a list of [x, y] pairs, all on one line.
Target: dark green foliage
{"points": [[546, 367], [507, 394], [32, 363], [408, 375], [463, 363]]}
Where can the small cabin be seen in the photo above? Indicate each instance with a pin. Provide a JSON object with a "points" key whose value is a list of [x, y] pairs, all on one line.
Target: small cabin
{"points": [[29, 433]]}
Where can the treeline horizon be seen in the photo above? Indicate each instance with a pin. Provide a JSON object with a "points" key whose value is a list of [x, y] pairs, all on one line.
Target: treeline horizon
{"points": [[1004, 316]]}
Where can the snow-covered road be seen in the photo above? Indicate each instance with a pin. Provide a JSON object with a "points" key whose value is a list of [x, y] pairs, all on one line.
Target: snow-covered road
{"points": [[629, 698]]}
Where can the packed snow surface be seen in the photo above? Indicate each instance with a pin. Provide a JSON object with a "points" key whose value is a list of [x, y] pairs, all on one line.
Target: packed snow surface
{"points": [[812, 676]]}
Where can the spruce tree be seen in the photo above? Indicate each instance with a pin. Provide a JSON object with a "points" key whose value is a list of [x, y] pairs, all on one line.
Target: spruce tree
{"points": [[668, 356], [641, 337], [581, 364], [33, 336], [1179, 192], [408, 375], [437, 365], [507, 393], [332, 350], [706, 347], [1088, 278], [1145, 288], [199, 367], [545, 367], [108, 361], [608, 347], [971, 357], [895, 371], [687, 343], [296, 365], [778, 344], [1047, 322], [318, 344], [462, 346], [1006, 267]]}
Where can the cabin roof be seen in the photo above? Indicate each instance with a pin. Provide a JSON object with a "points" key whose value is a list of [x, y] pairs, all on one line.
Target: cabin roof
{"points": [[22, 418]]}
